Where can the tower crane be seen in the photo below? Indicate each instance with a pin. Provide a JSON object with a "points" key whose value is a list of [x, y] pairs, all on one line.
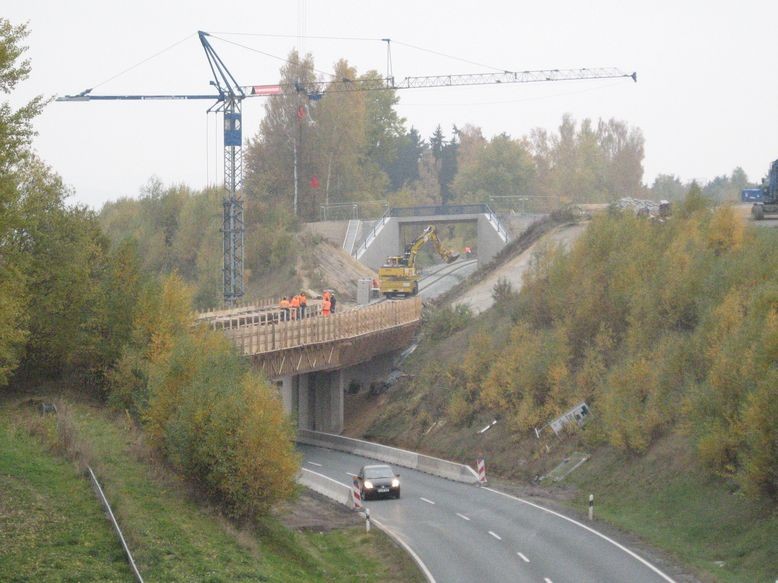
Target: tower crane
{"points": [[230, 95]]}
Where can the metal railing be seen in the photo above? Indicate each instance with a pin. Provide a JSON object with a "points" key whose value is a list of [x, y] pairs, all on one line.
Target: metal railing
{"points": [[380, 223], [107, 507], [363, 210], [443, 209], [496, 223], [525, 203]]}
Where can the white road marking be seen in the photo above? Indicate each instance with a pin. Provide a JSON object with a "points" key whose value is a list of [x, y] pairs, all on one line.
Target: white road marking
{"points": [[419, 562], [427, 501], [523, 557], [314, 464], [462, 516], [495, 535], [547, 580], [602, 536], [352, 475]]}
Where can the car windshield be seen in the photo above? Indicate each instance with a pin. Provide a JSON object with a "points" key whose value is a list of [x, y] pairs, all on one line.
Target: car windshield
{"points": [[379, 472]]}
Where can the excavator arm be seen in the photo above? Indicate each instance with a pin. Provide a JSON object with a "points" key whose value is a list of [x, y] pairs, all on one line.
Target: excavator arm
{"points": [[429, 234]]}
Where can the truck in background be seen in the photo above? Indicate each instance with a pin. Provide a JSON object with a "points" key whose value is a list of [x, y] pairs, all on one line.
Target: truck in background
{"points": [[767, 205]]}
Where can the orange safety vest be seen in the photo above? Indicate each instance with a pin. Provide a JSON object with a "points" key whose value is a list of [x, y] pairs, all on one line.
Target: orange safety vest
{"points": [[303, 300], [326, 295], [325, 307], [295, 303], [284, 304]]}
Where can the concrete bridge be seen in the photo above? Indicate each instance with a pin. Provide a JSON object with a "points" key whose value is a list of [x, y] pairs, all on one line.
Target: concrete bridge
{"points": [[384, 239], [310, 359]]}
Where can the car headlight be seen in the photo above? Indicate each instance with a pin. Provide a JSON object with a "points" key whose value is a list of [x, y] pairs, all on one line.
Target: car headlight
{"points": [[395, 483], [368, 485]]}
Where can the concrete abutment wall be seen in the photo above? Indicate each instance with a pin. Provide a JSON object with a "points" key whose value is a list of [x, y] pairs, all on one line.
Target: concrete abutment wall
{"points": [[314, 399]]}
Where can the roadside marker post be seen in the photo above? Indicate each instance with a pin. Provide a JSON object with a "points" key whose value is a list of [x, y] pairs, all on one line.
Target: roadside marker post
{"points": [[591, 506], [481, 465], [356, 496], [367, 519]]}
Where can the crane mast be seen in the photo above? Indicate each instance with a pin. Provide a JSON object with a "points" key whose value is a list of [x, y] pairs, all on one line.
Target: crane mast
{"points": [[230, 95]]}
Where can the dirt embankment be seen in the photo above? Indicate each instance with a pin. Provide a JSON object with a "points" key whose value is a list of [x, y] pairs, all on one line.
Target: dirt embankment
{"points": [[479, 296], [327, 266]]}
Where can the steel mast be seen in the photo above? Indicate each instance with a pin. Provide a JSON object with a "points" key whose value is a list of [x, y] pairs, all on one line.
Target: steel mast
{"points": [[227, 101]]}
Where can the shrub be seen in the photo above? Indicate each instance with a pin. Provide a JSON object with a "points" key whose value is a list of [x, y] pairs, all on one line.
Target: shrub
{"points": [[222, 425], [443, 322]]}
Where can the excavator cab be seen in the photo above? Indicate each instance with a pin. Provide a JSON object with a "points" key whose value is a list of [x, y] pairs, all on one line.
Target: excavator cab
{"points": [[398, 275]]}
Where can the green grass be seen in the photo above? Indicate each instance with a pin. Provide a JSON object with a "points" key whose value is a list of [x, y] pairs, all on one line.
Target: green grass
{"points": [[673, 504], [51, 525]]}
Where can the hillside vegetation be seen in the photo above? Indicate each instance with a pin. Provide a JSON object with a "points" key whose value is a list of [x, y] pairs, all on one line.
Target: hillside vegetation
{"points": [[52, 527], [669, 331], [656, 325]]}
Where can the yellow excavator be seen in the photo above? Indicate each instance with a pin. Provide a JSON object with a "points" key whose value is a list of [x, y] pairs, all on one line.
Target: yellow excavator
{"points": [[398, 274]]}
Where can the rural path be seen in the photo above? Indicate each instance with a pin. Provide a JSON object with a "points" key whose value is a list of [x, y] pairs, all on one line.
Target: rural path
{"points": [[479, 297]]}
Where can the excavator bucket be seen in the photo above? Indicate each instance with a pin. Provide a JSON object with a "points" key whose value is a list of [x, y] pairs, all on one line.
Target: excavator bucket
{"points": [[451, 257]]}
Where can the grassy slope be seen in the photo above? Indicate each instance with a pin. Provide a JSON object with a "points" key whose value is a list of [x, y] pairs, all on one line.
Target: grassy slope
{"points": [[50, 522], [672, 503], [171, 536], [662, 497]]}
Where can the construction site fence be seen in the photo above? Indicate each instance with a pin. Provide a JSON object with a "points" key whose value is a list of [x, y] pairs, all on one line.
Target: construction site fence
{"points": [[245, 305], [260, 338], [362, 210], [229, 320], [525, 204]]}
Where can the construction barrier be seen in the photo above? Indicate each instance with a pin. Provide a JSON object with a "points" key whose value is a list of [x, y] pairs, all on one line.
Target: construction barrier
{"points": [[357, 501], [392, 455], [481, 469], [325, 486]]}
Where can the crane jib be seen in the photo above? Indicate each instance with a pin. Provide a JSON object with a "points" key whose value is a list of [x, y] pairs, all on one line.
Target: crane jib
{"points": [[137, 97]]}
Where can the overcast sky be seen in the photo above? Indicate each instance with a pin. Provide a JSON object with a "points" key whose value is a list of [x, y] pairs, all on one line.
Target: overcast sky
{"points": [[706, 98]]}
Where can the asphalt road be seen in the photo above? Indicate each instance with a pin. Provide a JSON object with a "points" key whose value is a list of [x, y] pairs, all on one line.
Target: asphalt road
{"points": [[463, 533]]}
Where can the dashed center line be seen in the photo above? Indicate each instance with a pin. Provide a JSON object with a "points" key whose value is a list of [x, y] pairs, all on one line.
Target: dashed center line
{"points": [[427, 501], [547, 580], [462, 516], [495, 535], [352, 475], [314, 464], [523, 557]]}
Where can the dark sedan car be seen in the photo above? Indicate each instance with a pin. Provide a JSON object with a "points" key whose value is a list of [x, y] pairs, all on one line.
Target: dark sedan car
{"points": [[378, 481]]}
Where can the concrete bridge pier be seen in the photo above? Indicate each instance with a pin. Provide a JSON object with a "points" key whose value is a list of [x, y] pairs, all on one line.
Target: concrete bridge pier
{"points": [[315, 399]]}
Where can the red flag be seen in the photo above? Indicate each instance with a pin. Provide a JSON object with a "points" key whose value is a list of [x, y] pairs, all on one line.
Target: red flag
{"points": [[315, 181], [301, 112]]}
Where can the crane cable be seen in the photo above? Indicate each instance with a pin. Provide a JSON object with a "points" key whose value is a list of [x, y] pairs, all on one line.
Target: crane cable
{"points": [[146, 60]]}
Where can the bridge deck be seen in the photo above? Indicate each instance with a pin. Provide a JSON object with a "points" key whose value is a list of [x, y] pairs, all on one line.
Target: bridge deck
{"points": [[321, 342]]}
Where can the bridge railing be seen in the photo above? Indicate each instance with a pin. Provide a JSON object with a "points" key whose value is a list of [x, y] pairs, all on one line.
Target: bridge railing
{"points": [[271, 314], [264, 338], [442, 209], [379, 224]]}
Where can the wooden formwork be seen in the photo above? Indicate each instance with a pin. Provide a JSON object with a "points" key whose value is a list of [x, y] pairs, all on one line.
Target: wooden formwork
{"points": [[334, 354], [325, 342], [256, 338]]}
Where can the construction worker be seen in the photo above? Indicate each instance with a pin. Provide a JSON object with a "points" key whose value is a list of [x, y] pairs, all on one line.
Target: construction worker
{"points": [[294, 304], [303, 304], [326, 305], [332, 302], [284, 305]]}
